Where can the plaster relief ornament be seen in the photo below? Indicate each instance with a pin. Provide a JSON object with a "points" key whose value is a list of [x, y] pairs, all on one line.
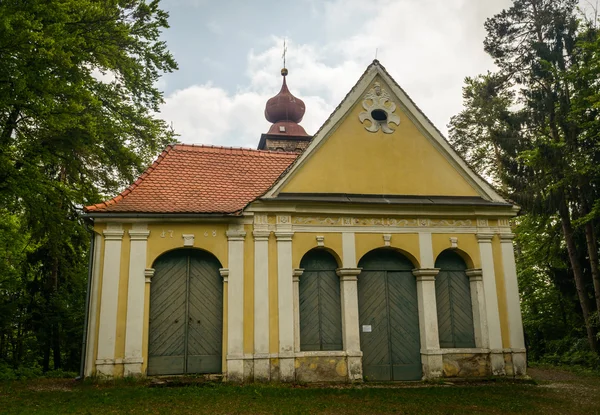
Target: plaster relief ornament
{"points": [[379, 110]]}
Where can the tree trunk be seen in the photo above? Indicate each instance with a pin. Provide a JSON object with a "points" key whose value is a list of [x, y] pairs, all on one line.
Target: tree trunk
{"points": [[592, 247], [584, 301], [56, 346]]}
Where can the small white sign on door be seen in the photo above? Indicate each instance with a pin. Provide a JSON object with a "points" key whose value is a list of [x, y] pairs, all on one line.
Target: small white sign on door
{"points": [[366, 329]]}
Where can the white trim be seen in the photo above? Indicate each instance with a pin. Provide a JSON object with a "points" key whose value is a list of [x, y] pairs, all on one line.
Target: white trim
{"points": [[285, 299], [350, 318], [134, 324], [93, 307], [348, 250], [235, 303], [478, 305], [296, 282], [261, 301], [513, 306], [413, 113], [426, 250], [428, 319], [107, 332]]}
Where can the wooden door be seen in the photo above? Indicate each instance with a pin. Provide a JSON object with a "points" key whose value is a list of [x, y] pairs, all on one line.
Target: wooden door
{"points": [[388, 317], [186, 314]]}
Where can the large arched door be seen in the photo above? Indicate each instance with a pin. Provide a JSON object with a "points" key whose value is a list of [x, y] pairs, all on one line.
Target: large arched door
{"points": [[389, 317], [186, 314]]}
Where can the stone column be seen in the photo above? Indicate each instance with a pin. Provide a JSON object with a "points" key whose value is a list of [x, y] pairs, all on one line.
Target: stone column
{"points": [[107, 332], [93, 307], [296, 281], [515, 322], [262, 367], [285, 298], [491, 303], [478, 305], [431, 355], [350, 322], [235, 305], [134, 325]]}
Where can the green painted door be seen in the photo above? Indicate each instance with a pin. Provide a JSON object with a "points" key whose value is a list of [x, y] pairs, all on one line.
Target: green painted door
{"points": [[453, 299], [320, 303], [388, 317], [186, 314]]}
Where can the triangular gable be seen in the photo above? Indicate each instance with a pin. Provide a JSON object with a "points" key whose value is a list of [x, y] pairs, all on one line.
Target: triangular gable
{"points": [[415, 159]]}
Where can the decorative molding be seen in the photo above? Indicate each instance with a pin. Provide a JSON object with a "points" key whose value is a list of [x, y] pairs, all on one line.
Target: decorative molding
{"points": [[378, 99], [224, 274], [235, 235], [148, 274], [297, 273], [475, 274], [506, 237], [383, 222], [482, 223], [425, 274], [113, 234], [284, 219], [453, 242], [348, 274], [504, 222], [320, 240], [188, 239], [138, 235], [284, 235], [387, 239], [261, 219], [261, 235], [485, 237]]}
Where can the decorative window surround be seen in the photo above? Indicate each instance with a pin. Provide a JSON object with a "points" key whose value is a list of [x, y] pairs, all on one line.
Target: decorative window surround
{"points": [[378, 100]]}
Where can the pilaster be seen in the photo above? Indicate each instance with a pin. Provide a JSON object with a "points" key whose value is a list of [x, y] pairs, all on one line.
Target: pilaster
{"points": [[478, 303], [262, 369], [350, 321], [491, 303], [105, 360], [515, 322], [285, 298], [235, 304], [431, 357], [296, 283]]}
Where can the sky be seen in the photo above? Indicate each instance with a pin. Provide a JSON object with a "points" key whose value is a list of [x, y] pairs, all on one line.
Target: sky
{"points": [[230, 56]]}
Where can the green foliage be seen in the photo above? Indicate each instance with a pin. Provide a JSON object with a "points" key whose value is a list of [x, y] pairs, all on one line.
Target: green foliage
{"points": [[77, 102]]}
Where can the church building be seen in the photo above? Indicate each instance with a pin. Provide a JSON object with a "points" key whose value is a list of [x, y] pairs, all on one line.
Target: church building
{"points": [[368, 251]]}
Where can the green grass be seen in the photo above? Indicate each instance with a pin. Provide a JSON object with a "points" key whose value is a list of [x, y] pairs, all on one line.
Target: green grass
{"points": [[570, 395]]}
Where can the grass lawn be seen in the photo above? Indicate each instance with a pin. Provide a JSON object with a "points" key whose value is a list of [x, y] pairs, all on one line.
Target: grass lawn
{"points": [[553, 392]]}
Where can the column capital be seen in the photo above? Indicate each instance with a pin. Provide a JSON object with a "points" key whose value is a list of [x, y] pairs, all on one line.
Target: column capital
{"points": [[138, 235], [506, 237], [224, 273], [261, 235], [148, 274], [475, 274], [348, 274], [284, 236], [235, 235], [425, 274], [485, 237], [113, 234], [296, 274]]}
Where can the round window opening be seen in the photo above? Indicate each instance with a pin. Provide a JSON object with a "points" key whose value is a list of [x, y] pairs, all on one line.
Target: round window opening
{"points": [[379, 115]]}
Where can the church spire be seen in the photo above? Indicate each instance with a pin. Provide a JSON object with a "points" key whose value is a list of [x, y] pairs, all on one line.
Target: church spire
{"points": [[285, 111]]}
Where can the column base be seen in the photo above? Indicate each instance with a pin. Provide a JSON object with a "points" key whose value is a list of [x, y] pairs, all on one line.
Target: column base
{"points": [[286, 369], [433, 365], [235, 370], [355, 372], [132, 366], [262, 369], [497, 362], [248, 369], [105, 368], [519, 362]]}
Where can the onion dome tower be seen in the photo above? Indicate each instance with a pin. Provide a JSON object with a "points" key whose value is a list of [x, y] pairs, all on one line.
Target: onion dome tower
{"points": [[285, 111]]}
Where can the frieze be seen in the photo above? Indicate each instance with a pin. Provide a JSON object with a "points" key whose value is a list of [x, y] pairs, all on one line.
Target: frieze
{"points": [[383, 222]]}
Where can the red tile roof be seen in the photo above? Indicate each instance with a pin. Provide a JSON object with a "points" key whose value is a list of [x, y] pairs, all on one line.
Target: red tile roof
{"points": [[200, 179]]}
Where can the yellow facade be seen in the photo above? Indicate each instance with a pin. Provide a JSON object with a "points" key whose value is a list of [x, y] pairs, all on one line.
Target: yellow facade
{"points": [[345, 158]]}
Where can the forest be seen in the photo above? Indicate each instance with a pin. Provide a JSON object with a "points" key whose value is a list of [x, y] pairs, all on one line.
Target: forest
{"points": [[78, 121]]}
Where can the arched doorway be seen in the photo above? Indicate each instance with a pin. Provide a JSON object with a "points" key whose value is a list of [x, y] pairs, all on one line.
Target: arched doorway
{"points": [[388, 317], [186, 314], [453, 300], [320, 303]]}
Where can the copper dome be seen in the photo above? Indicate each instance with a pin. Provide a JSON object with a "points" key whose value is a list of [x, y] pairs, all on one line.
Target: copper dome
{"points": [[284, 106]]}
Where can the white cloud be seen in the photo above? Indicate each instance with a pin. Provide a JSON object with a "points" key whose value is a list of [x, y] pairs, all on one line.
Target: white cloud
{"points": [[428, 46]]}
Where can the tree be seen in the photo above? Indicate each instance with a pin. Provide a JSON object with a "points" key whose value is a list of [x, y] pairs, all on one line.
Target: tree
{"points": [[77, 102]]}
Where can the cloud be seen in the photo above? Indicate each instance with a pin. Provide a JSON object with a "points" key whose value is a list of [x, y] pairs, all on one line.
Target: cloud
{"points": [[427, 46]]}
